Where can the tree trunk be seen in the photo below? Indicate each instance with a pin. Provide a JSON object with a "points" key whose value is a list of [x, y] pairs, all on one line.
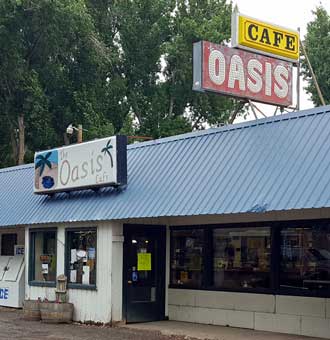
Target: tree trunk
{"points": [[13, 142], [21, 140], [170, 111]]}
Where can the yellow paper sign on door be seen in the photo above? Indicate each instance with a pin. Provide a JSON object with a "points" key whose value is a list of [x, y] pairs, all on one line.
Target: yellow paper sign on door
{"points": [[144, 261]]}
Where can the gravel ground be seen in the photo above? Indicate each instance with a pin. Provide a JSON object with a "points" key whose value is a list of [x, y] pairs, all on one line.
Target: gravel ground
{"points": [[12, 326]]}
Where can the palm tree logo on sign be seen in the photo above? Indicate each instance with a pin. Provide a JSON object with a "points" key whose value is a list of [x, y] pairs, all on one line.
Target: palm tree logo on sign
{"points": [[46, 170], [106, 151]]}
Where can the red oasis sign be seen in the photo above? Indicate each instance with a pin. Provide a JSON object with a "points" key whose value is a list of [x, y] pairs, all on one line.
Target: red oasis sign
{"points": [[243, 74]]}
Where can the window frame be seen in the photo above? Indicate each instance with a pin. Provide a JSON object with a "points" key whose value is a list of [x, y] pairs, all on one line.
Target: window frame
{"points": [[67, 255], [275, 261], [31, 257]]}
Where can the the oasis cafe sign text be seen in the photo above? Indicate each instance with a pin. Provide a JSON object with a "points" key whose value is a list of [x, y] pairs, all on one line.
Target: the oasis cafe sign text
{"points": [[99, 163], [242, 74], [255, 35]]}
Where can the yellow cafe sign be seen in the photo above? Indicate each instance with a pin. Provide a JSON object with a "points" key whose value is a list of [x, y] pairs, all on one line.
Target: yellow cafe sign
{"points": [[258, 36]]}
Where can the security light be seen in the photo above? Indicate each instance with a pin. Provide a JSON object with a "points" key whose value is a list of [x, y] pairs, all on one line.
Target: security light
{"points": [[69, 129]]}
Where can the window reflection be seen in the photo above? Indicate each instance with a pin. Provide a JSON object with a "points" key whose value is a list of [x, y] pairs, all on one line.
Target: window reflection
{"points": [[305, 258], [216, 257], [44, 256], [241, 258], [81, 249], [186, 257]]}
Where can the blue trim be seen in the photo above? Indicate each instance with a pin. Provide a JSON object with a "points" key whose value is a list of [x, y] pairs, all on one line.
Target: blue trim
{"points": [[81, 286], [31, 256], [42, 284]]}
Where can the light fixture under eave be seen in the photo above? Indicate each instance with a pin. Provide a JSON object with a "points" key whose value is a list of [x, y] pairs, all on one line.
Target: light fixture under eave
{"points": [[70, 129]]}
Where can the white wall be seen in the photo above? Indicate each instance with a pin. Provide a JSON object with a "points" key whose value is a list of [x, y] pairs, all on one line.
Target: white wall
{"points": [[276, 313], [117, 272], [103, 305]]}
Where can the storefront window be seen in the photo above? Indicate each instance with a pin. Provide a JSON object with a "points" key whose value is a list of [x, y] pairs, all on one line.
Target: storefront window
{"points": [[187, 257], [278, 258], [43, 256], [305, 258], [81, 255], [241, 258]]}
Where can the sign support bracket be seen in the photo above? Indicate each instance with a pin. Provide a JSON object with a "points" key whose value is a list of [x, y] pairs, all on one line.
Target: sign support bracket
{"points": [[239, 107], [298, 79]]}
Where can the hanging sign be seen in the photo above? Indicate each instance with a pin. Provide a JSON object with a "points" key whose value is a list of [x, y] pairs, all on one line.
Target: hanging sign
{"points": [[258, 36], [99, 163], [237, 73]]}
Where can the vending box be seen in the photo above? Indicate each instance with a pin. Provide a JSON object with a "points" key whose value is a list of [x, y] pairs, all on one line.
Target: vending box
{"points": [[12, 281]]}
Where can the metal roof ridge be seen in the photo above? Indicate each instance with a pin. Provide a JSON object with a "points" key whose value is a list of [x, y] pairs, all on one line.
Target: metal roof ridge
{"points": [[238, 126], [17, 168], [197, 134]]}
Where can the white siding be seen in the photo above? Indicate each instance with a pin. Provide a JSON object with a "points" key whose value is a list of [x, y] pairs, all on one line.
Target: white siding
{"points": [[116, 273], [91, 305]]}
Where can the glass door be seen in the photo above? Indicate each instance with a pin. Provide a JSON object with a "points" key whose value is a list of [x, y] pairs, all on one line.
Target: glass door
{"points": [[144, 273]]}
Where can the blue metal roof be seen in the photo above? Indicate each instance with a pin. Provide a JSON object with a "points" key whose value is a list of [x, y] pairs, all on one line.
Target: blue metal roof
{"points": [[272, 164]]}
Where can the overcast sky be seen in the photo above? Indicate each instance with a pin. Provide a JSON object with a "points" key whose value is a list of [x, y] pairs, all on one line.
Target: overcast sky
{"points": [[288, 13]]}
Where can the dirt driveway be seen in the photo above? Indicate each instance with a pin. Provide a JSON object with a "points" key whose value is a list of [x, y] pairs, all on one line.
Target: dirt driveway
{"points": [[12, 326]]}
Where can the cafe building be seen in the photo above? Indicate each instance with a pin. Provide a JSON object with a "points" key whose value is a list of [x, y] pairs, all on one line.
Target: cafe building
{"points": [[227, 226]]}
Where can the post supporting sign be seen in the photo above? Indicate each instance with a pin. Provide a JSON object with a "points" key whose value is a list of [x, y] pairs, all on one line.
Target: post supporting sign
{"points": [[237, 73], [262, 37], [94, 164]]}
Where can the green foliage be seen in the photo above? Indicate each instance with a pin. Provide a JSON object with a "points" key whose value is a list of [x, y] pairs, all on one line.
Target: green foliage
{"points": [[156, 38], [114, 66], [317, 42], [51, 72], [194, 21]]}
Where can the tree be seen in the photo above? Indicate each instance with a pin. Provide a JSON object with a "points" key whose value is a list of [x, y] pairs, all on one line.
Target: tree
{"points": [[105, 14], [317, 42], [51, 74], [141, 29], [194, 21], [111, 65], [155, 39]]}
